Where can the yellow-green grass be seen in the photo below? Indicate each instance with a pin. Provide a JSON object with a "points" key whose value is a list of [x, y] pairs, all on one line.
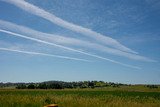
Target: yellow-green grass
{"points": [[106, 97]]}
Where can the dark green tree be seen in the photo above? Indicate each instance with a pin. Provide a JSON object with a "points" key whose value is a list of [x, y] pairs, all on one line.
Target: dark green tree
{"points": [[31, 86]]}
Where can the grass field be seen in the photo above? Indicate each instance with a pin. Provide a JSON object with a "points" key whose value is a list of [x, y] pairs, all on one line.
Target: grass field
{"points": [[106, 97]]}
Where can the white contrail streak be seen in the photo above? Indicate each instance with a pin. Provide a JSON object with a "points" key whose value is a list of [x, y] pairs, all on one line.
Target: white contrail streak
{"points": [[52, 38], [67, 48], [43, 54], [68, 25]]}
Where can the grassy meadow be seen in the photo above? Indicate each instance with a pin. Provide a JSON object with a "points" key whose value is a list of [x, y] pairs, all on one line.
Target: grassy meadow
{"points": [[126, 96]]}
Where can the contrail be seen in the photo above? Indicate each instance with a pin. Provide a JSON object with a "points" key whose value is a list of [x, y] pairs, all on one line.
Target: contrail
{"points": [[67, 48], [43, 54], [68, 41], [68, 25]]}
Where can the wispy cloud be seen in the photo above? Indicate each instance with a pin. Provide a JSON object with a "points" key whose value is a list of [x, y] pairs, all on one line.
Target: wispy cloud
{"points": [[67, 48], [52, 38], [42, 54], [103, 39]]}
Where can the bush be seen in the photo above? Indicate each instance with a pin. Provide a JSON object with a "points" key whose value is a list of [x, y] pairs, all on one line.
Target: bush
{"points": [[21, 86], [31, 86], [152, 86]]}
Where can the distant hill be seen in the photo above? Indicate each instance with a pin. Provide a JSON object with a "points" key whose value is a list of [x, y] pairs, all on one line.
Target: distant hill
{"points": [[70, 85]]}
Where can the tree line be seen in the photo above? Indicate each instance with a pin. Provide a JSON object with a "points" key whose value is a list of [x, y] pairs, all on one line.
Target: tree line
{"points": [[70, 85]]}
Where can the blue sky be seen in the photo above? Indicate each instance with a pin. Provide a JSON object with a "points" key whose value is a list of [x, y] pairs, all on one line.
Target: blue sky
{"points": [[76, 40]]}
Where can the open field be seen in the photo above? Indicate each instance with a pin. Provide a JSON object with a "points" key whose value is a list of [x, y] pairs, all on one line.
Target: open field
{"points": [[137, 96]]}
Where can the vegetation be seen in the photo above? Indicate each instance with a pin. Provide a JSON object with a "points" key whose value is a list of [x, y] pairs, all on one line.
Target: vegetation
{"points": [[68, 85], [79, 94], [152, 86], [78, 98], [62, 85]]}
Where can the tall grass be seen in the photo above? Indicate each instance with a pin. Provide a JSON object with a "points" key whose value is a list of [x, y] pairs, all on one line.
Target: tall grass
{"points": [[78, 98]]}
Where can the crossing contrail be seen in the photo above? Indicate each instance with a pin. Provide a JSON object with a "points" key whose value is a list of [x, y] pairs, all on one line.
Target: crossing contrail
{"points": [[67, 48], [52, 38], [103, 39], [43, 54]]}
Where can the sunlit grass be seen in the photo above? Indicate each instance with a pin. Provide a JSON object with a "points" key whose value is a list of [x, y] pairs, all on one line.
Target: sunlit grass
{"points": [[79, 98]]}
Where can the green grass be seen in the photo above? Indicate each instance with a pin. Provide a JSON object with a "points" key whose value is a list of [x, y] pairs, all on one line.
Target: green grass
{"points": [[106, 97]]}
